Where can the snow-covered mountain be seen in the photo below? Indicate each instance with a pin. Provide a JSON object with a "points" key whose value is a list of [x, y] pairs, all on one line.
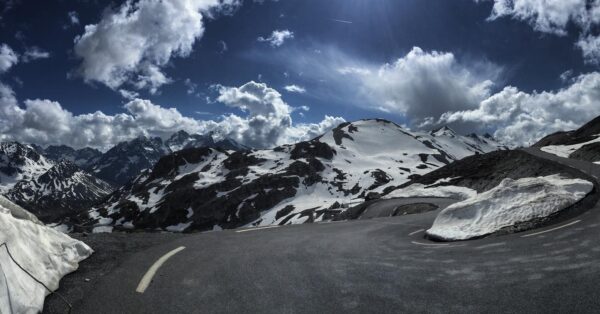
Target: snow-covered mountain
{"points": [[182, 140], [83, 158], [20, 162], [206, 188], [64, 189], [126, 160]]}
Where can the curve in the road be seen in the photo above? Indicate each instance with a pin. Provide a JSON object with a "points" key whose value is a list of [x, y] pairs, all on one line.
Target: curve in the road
{"points": [[365, 266]]}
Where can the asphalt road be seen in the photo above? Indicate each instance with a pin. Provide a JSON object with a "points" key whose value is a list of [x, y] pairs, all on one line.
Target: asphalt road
{"points": [[390, 207], [364, 266]]}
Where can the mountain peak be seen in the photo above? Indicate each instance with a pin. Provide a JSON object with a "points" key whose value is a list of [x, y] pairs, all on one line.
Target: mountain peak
{"points": [[444, 131]]}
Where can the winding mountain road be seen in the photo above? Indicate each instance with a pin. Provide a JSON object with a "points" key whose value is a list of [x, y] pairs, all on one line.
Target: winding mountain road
{"points": [[381, 265]]}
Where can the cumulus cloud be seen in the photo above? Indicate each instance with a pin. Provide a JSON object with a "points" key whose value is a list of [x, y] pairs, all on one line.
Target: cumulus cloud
{"points": [[8, 58], [554, 17], [522, 118], [132, 43], [422, 85], [431, 89], [277, 38], [306, 131], [295, 89], [266, 121]]}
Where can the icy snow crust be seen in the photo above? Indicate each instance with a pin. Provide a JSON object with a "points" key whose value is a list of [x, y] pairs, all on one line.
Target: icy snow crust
{"points": [[45, 253], [510, 203]]}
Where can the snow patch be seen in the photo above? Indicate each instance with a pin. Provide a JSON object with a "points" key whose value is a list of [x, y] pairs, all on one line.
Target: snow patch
{"points": [[566, 150], [102, 229], [510, 203], [445, 191]]}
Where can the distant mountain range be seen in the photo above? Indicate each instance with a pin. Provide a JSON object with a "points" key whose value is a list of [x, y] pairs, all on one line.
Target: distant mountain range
{"points": [[211, 188], [58, 180], [126, 160]]}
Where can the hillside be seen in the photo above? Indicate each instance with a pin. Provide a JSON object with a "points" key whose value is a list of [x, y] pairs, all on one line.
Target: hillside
{"points": [[206, 188]]}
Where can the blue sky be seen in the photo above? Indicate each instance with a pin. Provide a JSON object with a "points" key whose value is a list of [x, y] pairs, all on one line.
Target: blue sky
{"points": [[418, 63]]}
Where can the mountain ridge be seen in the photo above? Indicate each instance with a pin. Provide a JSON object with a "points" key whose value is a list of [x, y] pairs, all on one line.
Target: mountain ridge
{"points": [[206, 188]]}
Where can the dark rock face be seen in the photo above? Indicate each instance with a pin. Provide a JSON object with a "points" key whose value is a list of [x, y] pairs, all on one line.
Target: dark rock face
{"points": [[63, 190], [229, 203], [339, 134], [83, 158], [312, 150], [589, 152], [126, 160]]}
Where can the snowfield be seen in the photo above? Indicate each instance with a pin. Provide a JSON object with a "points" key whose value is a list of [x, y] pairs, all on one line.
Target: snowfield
{"points": [[45, 253], [510, 203]]}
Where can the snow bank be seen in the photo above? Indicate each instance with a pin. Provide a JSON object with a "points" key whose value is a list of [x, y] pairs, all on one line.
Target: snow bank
{"points": [[17, 211], [45, 253], [511, 202]]}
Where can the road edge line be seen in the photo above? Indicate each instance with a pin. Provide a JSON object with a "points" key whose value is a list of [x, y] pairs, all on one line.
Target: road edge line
{"points": [[549, 230]]}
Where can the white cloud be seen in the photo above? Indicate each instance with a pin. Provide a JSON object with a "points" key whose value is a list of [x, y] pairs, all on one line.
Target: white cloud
{"points": [[422, 84], [127, 94], [266, 122], [295, 89], [223, 48], [555, 17], [191, 87], [306, 131], [522, 118], [73, 18], [8, 58], [269, 120], [590, 48], [277, 38], [418, 85], [548, 16], [34, 53], [434, 88], [268, 115], [134, 42]]}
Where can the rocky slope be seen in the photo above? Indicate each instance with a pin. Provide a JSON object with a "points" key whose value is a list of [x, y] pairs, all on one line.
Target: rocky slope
{"points": [[127, 160], [64, 189], [20, 162], [206, 188], [586, 133], [583, 143], [83, 158]]}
